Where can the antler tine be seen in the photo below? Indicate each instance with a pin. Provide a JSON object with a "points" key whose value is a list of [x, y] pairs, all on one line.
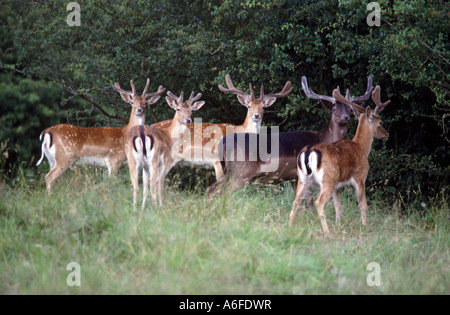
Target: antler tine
{"points": [[347, 94], [196, 98], [252, 92], [366, 95], [173, 96], [146, 87], [160, 91], [377, 100], [338, 97], [117, 87], [133, 88], [261, 92], [231, 88], [310, 94], [284, 92], [376, 96], [176, 98]]}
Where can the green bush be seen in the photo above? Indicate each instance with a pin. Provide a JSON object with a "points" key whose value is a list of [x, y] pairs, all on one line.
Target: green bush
{"points": [[192, 45]]}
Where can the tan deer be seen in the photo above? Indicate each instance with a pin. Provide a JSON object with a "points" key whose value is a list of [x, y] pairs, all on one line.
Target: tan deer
{"points": [[150, 148], [198, 145], [239, 172], [65, 144], [345, 162]]}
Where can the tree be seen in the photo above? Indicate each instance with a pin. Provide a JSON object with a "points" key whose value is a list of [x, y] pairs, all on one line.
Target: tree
{"points": [[191, 45]]}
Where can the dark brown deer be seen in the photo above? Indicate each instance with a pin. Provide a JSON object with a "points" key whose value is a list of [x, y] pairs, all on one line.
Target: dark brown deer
{"points": [[330, 166], [240, 169]]}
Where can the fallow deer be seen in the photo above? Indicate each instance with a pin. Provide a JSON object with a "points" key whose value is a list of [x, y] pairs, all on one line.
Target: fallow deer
{"points": [[240, 169], [66, 144], [199, 143], [152, 148], [341, 163]]}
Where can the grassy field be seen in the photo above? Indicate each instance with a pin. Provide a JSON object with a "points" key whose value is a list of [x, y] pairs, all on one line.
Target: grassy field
{"points": [[240, 244]]}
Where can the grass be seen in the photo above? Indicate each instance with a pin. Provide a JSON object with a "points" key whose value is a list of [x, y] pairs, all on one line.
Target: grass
{"points": [[238, 244]]}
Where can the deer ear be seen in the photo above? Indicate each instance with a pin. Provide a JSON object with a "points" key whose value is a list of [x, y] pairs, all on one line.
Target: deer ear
{"points": [[268, 101], [198, 105], [244, 100], [152, 99], [327, 104], [126, 97], [172, 103]]}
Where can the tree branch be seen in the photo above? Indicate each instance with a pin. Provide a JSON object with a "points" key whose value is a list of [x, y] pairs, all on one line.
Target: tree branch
{"points": [[84, 97]]}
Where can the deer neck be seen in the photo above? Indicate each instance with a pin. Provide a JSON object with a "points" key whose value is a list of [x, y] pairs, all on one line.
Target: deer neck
{"points": [[333, 132], [176, 128], [364, 136], [135, 120], [250, 125]]}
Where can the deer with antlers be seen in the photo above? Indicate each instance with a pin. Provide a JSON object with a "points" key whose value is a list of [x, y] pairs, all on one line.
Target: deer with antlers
{"points": [[341, 163], [240, 171], [65, 144], [195, 143], [154, 148], [198, 145]]}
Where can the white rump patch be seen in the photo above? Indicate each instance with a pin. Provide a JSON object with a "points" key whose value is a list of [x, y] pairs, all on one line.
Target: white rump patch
{"points": [[317, 174], [148, 145], [48, 151], [138, 154]]}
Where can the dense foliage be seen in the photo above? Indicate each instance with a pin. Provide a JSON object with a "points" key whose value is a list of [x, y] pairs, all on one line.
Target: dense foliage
{"points": [[191, 45]]}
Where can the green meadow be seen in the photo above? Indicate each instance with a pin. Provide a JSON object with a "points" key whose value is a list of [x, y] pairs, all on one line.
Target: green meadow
{"points": [[237, 244]]}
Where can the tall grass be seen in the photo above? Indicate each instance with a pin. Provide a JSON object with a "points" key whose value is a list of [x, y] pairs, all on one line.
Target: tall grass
{"points": [[237, 244]]}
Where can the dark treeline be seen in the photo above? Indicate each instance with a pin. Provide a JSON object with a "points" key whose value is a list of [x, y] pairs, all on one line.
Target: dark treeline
{"points": [[52, 72]]}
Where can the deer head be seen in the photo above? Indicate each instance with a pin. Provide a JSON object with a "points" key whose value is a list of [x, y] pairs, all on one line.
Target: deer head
{"points": [[139, 102], [340, 111], [375, 123], [255, 105], [184, 108]]}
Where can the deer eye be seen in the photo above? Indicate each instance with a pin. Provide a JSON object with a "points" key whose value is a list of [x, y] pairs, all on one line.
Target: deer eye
{"points": [[178, 110]]}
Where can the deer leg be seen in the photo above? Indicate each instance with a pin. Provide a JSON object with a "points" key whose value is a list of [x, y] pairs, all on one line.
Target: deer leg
{"points": [[294, 185], [154, 181], [222, 182], [164, 170], [113, 167], [134, 173], [218, 170], [362, 203], [324, 196], [309, 199], [299, 196], [162, 179], [215, 188], [337, 205], [145, 176], [57, 170], [237, 183]]}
